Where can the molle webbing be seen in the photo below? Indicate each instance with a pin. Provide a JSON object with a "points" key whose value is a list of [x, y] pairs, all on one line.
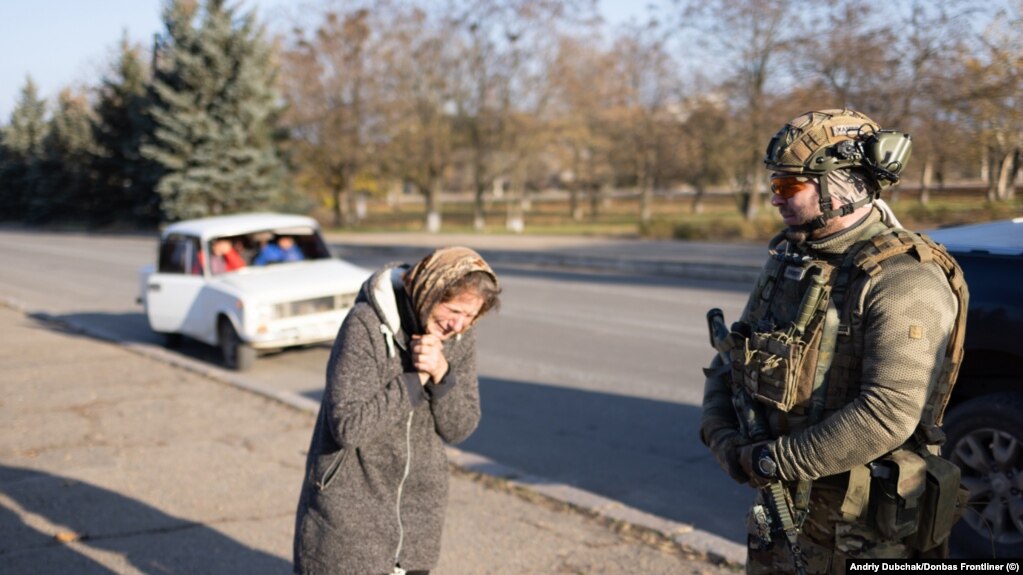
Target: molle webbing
{"points": [[811, 137], [800, 139], [867, 259]]}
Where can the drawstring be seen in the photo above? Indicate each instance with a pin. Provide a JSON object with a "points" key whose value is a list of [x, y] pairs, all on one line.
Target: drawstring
{"points": [[389, 338]]}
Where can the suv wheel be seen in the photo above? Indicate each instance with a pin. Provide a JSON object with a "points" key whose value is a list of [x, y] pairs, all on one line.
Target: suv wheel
{"points": [[985, 439], [237, 354]]}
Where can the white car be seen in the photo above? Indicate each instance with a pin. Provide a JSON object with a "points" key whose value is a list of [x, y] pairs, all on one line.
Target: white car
{"points": [[240, 300]]}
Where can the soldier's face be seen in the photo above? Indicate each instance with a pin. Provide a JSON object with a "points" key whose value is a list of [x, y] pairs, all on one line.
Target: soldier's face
{"points": [[796, 198]]}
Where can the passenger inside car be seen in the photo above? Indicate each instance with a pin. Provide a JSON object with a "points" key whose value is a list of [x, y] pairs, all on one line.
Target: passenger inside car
{"points": [[279, 251], [225, 257]]}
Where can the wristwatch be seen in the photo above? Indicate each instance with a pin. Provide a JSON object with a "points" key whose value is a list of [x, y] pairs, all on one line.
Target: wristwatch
{"points": [[766, 465]]}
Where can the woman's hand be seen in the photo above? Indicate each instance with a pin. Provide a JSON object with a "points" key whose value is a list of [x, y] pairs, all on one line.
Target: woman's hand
{"points": [[428, 358]]}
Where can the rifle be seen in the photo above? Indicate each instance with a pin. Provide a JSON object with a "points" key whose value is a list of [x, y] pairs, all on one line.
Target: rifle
{"points": [[776, 514]]}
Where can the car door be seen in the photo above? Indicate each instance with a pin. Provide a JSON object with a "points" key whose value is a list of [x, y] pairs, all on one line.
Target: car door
{"points": [[173, 290]]}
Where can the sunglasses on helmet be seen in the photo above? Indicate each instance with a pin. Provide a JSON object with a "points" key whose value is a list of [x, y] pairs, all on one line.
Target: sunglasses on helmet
{"points": [[788, 186]]}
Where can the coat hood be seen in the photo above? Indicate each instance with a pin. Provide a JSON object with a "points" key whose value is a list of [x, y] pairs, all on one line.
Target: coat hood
{"points": [[385, 293]]}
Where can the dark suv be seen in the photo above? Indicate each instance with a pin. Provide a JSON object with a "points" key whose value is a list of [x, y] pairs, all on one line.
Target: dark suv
{"points": [[984, 421]]}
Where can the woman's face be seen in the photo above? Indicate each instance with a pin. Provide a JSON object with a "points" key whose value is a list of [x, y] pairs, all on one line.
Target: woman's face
{"points": [[455, 315]]}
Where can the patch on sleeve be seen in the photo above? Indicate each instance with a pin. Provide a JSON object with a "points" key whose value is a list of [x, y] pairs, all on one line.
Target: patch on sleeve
{"points": [[916, 332]]}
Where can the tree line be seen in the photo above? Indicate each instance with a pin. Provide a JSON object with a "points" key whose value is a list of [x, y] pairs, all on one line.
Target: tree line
{"points": [[506, 97]]}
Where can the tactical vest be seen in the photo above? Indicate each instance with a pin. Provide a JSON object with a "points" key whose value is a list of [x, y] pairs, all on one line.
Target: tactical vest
{"points": [[794, 351]]}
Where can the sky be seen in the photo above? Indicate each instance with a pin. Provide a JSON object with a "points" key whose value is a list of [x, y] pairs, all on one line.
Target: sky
{"points": [[63, 43]]}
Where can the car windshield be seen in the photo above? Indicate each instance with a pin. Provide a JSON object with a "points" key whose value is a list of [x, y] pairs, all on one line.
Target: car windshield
{"points": [[265, 248]]}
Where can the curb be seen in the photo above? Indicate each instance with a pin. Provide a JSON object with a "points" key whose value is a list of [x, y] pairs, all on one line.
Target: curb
{"points": [[715, 548]]}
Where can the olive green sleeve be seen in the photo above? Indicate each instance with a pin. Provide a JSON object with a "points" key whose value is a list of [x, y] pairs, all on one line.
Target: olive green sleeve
{"points": [[903, 319], [718, 412]]}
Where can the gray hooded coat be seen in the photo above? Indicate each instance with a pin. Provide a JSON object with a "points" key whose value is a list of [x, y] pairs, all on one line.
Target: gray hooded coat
{"points": [[375, 487]]}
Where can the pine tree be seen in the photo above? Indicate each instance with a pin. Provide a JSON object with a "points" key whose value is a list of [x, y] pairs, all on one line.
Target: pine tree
{"points": [[21, 150], [65, 188], [213, 106], [125, 179]]}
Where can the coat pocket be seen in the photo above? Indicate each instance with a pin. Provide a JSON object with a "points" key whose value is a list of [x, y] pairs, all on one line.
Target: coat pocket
{"points": [[323, 475]]}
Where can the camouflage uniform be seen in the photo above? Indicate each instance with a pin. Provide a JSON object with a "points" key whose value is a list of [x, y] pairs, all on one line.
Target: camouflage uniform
{"points": [[888, 359], [828, 541]]}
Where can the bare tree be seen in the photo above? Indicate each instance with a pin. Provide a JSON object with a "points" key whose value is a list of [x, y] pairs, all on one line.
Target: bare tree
{"points": [[705, 147], [327, 80], [993, 83], [506, 44], [647, 94], [754, 37], [419, 66], [890, 64], [580, 78]]}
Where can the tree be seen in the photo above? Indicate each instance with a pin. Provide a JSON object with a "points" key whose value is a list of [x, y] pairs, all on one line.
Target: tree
{"points": [[992, 82], [705, 147], [645, 94], [504, 45], [581, 78], [125, 178], [213, 106], [419, 66], [755, 36], [892, 65], [328, 84], [65, 188], [21, 151]]}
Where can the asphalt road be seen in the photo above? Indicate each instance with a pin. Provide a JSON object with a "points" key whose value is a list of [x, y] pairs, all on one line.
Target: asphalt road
{"points": [[591, 379]]}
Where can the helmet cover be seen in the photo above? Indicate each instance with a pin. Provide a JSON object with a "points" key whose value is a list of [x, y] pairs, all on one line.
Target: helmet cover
{"points": [[820, 142], [814, 143]]}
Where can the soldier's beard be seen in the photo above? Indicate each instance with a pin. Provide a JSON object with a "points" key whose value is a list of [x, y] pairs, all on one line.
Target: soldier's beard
{"points": [[796, 234]]}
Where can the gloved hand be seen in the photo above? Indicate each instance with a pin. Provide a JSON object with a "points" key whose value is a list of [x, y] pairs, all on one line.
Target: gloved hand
{"points": [[749, 456], [725, 443]]}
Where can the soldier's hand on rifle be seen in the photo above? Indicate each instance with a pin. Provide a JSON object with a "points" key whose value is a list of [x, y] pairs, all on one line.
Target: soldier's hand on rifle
{"points": [[725, 444], [758, 464]]}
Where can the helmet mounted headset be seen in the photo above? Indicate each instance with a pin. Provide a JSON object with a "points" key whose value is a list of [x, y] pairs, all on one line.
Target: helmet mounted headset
{"points": [[817, 143]]}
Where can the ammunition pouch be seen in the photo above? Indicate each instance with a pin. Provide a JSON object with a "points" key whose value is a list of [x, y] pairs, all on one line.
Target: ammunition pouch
{"points": [[776, 369], [943, 503], [897, 488], [916, 497]]}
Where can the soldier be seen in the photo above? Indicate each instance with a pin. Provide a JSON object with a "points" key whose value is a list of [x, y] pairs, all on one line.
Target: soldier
{"points": [[828, 392]]}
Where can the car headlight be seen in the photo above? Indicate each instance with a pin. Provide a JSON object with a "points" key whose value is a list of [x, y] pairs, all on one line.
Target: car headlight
{"points": [[270, 312]]}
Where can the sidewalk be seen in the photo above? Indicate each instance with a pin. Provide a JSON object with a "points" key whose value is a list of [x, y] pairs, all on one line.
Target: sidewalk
{"points": [[114, 462], [694, 260]]}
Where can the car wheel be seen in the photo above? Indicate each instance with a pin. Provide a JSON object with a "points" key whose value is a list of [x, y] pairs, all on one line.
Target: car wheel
{"points": [[985, 439], [237, 354]]}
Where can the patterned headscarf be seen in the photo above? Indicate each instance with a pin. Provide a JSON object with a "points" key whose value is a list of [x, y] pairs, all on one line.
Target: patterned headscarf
{"points": [[427, 281]]}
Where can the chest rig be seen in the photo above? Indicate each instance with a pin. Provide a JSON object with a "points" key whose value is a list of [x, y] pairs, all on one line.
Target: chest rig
{"points": [[795, 350], [778, 345]]}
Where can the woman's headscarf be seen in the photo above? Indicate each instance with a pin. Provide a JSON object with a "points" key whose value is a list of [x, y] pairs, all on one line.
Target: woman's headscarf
{"points": [[429, 279]]}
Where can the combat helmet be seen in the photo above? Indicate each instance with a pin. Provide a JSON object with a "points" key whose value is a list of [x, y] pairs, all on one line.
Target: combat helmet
{"points": [[819, 142]]}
